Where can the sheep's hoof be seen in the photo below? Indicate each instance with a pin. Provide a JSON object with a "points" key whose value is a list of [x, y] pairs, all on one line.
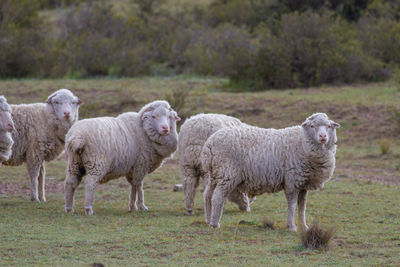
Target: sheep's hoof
{"points": [[42, 199], [89, 211], [36, 199], [292, 228], [244, 208], [68, 210], [214, 225], [304, 228], [189, 212], [143, 208]]}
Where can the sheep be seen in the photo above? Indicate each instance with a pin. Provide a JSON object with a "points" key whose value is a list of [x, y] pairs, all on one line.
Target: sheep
{"points": [[39, 135], [255, 160], [193, 134], [106, 148], [6, 127]]}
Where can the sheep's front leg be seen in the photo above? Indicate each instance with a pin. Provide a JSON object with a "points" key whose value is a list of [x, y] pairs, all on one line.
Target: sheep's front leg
{"points": [[42, 181], [33, 167], [291, 198], [140, 197], [133, 198], [302, 209], [240, 199], [190, 182], [90, 188], [207, 196]]}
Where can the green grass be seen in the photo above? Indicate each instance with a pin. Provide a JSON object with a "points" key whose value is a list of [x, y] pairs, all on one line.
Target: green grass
{"points": [[365, 213]]}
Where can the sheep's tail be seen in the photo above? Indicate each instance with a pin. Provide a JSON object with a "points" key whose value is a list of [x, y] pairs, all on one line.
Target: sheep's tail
{"points": [[75, 146], [206, 158]]}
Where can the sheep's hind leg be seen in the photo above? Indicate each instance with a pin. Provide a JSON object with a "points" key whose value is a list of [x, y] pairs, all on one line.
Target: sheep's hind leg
{"points": [[190, 181], [71, 183], [140, 197], [132, 196], [34, 170], [221, 192], [291, 198], [302, 209], [207, 196], [90, 187], [42, 181]]}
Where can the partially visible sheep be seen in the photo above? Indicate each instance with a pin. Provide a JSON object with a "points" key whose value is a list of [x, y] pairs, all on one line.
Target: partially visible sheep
{"points": [[256, 160], [39, 135], [192, 136], [132, 145], [6, 127]]}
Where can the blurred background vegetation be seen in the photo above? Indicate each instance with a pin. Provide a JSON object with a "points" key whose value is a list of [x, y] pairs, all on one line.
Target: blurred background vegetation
{"points": [[258, 44]]}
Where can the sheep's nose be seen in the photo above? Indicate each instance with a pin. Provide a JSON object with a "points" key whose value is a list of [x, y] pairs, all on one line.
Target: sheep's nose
{"points": [[322, 136], [165, 128], [66, 113], [10, 127]]}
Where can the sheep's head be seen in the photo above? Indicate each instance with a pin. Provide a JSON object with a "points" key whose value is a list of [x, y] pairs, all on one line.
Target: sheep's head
{"points": [[6, 122], [321, 129], [65, 105], [160, 117]]}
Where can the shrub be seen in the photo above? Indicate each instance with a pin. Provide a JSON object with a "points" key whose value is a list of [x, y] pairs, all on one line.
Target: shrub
{"points": [[316, 237], [21, 38], [386, 146], [224, 50]]}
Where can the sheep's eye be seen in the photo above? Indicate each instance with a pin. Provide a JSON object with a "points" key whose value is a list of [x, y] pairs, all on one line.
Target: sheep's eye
{"points": [[312, 126], [329, 126], [154, 117], [56, 102]]}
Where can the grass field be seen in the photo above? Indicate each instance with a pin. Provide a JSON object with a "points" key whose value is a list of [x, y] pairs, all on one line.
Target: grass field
{"points": [[361, 201]]}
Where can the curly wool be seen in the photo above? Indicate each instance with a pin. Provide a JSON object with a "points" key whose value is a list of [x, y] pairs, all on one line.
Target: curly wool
{"points": [[192, 136], [257, 160], [107, 148], [6, 141]]}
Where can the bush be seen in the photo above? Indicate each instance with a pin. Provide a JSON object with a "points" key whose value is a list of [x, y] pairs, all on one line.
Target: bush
{"points": [[21, 38], [223, 50], [386, 146], [316, 237]]}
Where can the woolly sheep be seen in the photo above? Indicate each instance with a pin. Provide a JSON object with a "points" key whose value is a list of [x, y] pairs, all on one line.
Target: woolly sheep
{"points": [[39, 135], [192, 136], [6, 127], [256, 160], [132, 145]]}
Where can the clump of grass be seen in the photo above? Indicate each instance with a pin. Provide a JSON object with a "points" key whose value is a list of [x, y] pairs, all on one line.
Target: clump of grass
{"points": [[97, 264], [268, 224], [385, 146], [177, 98], [316, 237]]}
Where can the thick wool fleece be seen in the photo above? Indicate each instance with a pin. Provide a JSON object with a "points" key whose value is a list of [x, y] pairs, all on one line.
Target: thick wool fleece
{"points": [[257, 160], [192, 136], [107, 148]]}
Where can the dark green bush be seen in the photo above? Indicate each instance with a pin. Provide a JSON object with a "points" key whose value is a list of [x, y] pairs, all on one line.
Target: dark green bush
{"points": [[20, 38]]}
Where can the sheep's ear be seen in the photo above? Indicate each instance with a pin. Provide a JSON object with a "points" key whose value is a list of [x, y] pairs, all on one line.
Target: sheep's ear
{"points": [[177, 118], [48, 101], [80, 102], [305, 124], [335, 124]]}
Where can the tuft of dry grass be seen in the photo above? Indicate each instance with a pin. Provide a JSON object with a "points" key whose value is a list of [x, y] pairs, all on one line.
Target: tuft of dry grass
{"points": [[268, 224], [316, 237], [385, 146]]}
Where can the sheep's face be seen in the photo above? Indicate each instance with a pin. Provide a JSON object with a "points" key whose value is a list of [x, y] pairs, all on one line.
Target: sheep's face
{"points": [[6, 122], [65, 105], [162, 119], [320, 129]]}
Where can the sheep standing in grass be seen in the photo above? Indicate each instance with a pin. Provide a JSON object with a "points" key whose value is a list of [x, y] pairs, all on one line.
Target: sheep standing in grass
{"points": [[39, 135], [132, 145], [192, 136], [256, 160], [6, 127]]}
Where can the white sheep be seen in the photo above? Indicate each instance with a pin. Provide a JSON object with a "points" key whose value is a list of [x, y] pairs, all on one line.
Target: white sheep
{"points": [[192, 136], [256, 160], [6, 127], [39, 135], [132, 145]]}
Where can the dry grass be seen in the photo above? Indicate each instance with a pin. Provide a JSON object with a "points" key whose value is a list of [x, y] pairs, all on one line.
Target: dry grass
{"points": [[268, 224], [316, 237], [385, 146]]}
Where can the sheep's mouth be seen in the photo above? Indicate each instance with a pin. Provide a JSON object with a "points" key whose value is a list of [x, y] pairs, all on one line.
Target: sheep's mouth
{"points": [[323, 140]]}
